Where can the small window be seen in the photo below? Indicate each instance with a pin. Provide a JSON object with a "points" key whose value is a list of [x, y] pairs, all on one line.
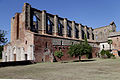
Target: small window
{"points": [[25, 42], [61, 42], [46, 44], [72, 43], [103, 46]]}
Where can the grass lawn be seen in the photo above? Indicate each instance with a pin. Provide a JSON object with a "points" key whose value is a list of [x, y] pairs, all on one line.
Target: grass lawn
{"points": [[101, 69]]}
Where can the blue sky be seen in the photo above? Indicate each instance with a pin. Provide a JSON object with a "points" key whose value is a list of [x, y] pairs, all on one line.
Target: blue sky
{"points": [[93, 13]]}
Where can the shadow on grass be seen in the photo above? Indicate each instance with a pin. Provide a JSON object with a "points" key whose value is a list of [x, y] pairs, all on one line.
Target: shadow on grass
{"points": [[84, 60], [16, 63]]}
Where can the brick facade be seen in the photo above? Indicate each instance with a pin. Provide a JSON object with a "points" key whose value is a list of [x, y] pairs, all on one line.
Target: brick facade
{"points": [[36, 35]]}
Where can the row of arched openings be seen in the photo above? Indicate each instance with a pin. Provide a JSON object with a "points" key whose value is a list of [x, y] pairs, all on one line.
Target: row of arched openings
{"points": [[50, 24]]}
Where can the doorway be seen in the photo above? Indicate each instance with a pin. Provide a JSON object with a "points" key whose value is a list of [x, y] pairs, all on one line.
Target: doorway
{"points": [[14, 57], [119, 53], [25, 56]]}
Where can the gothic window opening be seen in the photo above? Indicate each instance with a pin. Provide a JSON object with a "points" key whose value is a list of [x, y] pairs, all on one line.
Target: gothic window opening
{"points": [[76, 33], [49, 26], [83, 34], [92, 36], [60, 27], [35, 24], [69, 30], [96, 37], [88, 35]]}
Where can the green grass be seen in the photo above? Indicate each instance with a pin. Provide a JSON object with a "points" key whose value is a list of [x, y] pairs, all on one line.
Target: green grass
{"points": [[101, 69]]}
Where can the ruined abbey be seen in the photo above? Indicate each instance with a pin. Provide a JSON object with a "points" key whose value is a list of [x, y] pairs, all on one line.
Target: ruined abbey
{"points": [[36, 35]]}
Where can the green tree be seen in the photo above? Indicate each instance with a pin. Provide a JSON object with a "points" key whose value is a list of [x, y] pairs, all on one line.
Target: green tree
{"points": [[110, 43], [78, 50], [58, 54], [3, 40]]}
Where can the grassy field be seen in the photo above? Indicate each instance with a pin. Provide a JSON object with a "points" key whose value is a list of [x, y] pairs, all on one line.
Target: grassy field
{"points": [[100, 69]]}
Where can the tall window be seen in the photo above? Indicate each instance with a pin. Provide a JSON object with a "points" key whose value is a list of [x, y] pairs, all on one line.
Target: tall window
{"points": [[76, 32], [88, 35], [35, 23], [83, 34], [49, 26], [60, 27], [69, 30]]}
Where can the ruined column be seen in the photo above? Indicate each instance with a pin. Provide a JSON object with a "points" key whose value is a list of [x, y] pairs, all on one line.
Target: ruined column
{"points": [[73, 29], [15, 27], [90, 29], [55, 28], [65, 27], [80, 31], [27, 15], [85, 29], [12, 29], [43, 22], [95, 37]]}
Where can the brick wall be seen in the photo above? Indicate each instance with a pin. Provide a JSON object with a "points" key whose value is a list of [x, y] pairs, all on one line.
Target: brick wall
{"points": [[45, 46]]}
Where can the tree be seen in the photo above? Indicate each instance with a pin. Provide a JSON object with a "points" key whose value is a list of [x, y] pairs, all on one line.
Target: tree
{"points": [[3, 40], [78, 50], [58, 54], [110, 42]]}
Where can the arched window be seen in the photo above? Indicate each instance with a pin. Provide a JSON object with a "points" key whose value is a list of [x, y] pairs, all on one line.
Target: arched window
{"points": [[49, 26], [83, 34], [76, 33], [69, 30], [88, 35], [60, 27], [35, 23]]}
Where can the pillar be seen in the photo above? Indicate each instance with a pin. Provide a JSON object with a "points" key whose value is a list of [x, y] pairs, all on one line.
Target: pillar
{"points": [[65, 27], [73, 29], [43, 22], [27, 15], [55, 28], [12, 29], [85, 30], [90, 29], [80, 31]]}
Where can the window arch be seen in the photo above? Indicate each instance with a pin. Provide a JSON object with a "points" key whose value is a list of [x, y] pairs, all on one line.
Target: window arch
{"points": [[34, 23], [49, 26]]}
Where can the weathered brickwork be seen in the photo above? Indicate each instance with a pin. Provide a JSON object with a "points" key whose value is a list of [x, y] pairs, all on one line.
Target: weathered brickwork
{"points": [[101, 34], [115, 46], [36, 35]]}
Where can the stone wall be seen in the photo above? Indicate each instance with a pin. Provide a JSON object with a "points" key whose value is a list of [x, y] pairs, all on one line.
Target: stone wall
{"points": [[101, 33]]}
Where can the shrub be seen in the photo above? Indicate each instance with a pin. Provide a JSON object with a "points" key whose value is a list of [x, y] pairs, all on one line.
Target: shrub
{"points": [[106, 54], [58, 54]]}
